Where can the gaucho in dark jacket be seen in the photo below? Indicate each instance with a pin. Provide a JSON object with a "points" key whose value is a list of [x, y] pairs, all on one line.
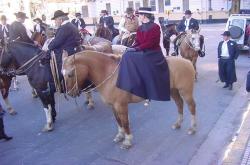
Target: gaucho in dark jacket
{"points": [[18, 30], [78, 22], [227, 53], [67, 37]]}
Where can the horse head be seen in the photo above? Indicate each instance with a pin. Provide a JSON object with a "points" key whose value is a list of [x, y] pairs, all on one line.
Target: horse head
{"points": [[194, 38], [75, 74]]}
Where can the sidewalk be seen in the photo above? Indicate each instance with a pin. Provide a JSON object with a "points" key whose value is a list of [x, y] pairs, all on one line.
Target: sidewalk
{"points": [[238, 152], [226, 142]]}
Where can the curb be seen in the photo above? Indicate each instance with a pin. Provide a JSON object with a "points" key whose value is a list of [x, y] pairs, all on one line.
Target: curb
{"points": [[212, 150]]}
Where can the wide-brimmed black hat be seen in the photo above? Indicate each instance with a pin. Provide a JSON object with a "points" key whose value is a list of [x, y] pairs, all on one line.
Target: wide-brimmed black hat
{"points": [[78, 14], [129, 10], [145, 10], [188, 12], [37, 19], [104, 11], [21, 15], [59, 13], [226, 33]]}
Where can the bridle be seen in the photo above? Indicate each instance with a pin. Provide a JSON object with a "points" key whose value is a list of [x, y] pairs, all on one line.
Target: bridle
{"points": [[87, 89], [188, 42]]}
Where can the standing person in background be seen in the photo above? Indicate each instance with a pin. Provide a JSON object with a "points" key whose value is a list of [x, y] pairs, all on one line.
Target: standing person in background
{"points": [[78, 21], [4, 29], [227, 53]]}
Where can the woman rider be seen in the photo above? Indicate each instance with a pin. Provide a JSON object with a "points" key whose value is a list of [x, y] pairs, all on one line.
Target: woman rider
{"points": [[143, 69]]}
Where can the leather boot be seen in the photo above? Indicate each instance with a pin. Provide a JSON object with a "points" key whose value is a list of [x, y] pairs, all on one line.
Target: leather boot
{"points": [[2, 133]]}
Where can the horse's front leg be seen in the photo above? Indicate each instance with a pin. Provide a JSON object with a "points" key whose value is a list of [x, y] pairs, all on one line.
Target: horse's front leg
{"points": [[9, 106], [194, 60], [49, 122], [89, 100], [122, 112]]}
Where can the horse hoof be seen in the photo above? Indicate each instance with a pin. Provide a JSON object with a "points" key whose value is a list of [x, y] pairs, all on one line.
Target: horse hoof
{"points": [[13, 113], [90, 107], [126, 146], [176, 126], [191, 131], [48, 128], [118, 138]]}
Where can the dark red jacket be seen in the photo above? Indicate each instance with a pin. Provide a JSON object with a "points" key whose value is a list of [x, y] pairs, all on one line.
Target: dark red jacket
{"points": [[148, 37]]}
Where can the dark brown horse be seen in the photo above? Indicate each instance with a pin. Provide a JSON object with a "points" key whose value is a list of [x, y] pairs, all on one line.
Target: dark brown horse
{"points": [[40, 38], [168, 31], [103, 32], [102, 70], [128, 40]]}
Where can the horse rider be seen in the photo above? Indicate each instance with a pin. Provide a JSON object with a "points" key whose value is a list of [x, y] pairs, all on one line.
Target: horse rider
{"points": [[128, 24], [188, 23], [228, 52], [108, 21], [143, 68], [18, 31], [39, 26], [4, 30], [67, 38], [78, 21]]}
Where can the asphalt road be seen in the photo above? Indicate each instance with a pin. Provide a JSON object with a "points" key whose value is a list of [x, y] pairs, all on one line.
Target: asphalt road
{"points": [[84, 136]]}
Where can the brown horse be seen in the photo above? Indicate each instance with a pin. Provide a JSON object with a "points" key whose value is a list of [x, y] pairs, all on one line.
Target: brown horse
{"points": [[189, 46], [96, 43], [128, 40], [6, 83], [103, 32], [168, 32], [102, 70], [40, 38]]}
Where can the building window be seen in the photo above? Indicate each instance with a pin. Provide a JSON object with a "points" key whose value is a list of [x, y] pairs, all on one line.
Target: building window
{"points": [[167, 3], [153, 5], [131, 4], [137, 5]]}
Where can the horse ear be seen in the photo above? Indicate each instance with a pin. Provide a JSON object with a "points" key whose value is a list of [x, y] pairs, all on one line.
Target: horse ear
{"points": [[64, 55]]}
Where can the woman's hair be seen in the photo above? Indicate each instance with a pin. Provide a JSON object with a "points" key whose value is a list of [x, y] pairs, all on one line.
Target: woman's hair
{"points": [[151, 17]]}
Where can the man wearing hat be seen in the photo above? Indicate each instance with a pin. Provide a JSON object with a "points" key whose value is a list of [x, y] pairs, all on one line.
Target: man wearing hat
{"points": [[143, 68], [4, 29], [227, 53], [67, 37], [189, 23], [18, 31], [108, 21], [128, 24], [39, 26], [78, 21]]}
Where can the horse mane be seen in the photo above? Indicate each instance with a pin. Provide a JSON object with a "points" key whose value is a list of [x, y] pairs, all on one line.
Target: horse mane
{"points": [[27, 45]]}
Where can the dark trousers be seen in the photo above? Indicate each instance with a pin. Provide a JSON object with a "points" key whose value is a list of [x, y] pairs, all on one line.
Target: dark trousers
{"points": [[2, 134], [227, 71]]}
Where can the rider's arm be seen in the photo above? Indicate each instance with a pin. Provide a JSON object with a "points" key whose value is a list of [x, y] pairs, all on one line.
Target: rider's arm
{"points": [[180, 27], [23, 34], [59, 39], [83, 25], [121, 25]]}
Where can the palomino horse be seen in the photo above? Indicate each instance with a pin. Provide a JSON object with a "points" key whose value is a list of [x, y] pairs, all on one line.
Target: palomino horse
{"points": [[103, 32], [30, 60], [189, 45], [102, 70]]}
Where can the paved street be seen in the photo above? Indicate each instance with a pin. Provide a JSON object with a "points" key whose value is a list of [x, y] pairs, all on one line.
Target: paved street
{"points": [[85, 137]]}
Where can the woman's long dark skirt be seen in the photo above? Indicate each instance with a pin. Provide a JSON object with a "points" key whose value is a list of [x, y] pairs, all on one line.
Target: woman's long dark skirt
{"points": [[145, 74]]}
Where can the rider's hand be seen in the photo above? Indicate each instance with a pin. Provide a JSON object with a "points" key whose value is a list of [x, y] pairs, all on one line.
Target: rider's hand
{"points": [[130, 49]]}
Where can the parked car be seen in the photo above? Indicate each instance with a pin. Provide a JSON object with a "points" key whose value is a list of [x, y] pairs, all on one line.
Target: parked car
{"points": [[237, 24]]}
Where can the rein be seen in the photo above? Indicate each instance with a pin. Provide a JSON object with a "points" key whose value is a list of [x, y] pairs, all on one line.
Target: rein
{"points": [[30, 63], [88, 89]]}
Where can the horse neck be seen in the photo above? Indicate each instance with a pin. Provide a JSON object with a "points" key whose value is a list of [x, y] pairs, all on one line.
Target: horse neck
{"points": [[23, 54], [100, 66]]}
